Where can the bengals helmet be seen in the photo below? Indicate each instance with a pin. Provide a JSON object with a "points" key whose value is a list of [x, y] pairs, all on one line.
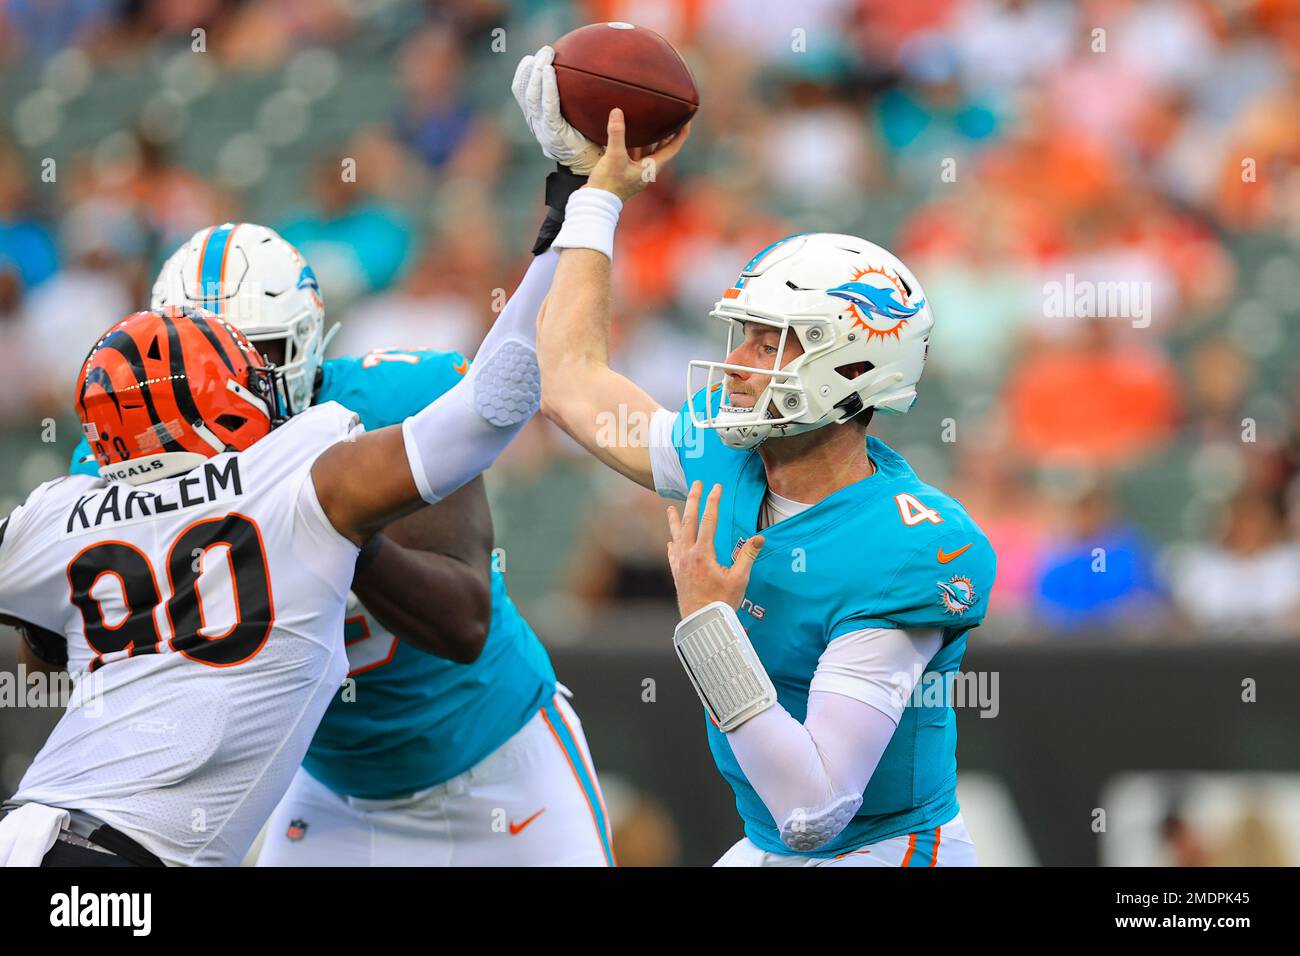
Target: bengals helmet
{"points": [[164, 390]]}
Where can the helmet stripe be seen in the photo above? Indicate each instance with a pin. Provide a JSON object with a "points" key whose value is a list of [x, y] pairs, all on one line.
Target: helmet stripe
{"points": [[209, 333], [126, 346], [212, 266], [753, 263], [225, 255], [180, 382]]}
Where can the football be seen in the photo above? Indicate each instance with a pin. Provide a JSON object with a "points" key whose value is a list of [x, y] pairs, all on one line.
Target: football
{"points": [[607, 65]]}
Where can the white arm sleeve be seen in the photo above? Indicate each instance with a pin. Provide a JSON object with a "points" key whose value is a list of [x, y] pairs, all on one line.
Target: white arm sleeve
{"points": [[669, 477], [878, 666], [811, 776], [455, 439]]}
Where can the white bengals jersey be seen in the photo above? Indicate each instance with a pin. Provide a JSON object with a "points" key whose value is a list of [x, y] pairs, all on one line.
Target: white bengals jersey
{"points": [[204, 621]]}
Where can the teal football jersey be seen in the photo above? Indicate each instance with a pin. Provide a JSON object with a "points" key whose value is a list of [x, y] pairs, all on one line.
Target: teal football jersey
{"points": [[889, 551], [413, 720]]}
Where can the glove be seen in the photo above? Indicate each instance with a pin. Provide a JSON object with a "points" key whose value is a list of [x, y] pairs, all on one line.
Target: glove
{"points": [[538, 96]]}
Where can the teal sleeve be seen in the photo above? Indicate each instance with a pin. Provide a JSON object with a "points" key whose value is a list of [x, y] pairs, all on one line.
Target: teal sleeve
{"points": [[944, 584], [386, 387], [83, 462]]}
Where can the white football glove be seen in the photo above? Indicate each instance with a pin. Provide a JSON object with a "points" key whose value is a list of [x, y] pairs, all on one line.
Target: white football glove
{"points": [[538, 96]]}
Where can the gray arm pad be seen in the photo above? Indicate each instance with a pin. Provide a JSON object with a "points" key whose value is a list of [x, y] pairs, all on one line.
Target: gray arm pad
{"points": [[721, 664]]}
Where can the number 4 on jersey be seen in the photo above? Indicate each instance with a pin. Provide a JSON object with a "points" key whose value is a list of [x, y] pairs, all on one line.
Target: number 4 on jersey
{"points": [[913, 512]]}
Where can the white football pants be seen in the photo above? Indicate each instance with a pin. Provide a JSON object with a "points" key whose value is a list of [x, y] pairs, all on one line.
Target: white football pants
{"points": [[948, 845], [534, 801]]}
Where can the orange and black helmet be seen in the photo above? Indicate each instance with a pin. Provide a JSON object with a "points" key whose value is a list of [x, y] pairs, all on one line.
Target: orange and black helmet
{"points": [[164, 390]]}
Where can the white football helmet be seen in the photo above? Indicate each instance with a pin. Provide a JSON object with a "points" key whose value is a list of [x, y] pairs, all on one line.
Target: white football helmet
{"points": [[847, 301], [259, 283]]}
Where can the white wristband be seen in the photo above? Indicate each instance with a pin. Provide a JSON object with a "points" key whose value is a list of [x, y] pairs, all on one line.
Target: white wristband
{"points": [[589, 221]]}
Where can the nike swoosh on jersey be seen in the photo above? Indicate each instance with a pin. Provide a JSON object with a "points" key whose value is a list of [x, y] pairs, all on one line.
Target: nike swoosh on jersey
{"points": [[517, 828], [945, 557]]}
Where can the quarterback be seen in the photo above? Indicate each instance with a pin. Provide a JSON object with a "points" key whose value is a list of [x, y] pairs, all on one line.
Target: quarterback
{"points": [[819, 580], [470, 754]]}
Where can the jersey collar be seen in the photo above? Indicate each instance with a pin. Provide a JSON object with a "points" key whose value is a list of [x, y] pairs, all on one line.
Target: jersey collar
{"points": [[751, 486]]}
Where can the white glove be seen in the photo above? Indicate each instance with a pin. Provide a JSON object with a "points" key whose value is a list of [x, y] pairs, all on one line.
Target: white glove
{"points": [[538, 96]]}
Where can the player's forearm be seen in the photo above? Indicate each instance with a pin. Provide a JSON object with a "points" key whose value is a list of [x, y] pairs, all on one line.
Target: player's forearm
{"points": [[32, 662], [435, 602], [458, 437], [574, 334], [573, 338]]}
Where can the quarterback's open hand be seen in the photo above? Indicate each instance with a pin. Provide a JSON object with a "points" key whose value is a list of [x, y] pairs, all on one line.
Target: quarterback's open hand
{"points": [[700, 579], [538, 96], [626, 174]]}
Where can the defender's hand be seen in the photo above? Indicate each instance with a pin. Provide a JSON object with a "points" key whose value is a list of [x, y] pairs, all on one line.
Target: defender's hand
{"points": [[700, 579], [538, 96], [625, 175]]}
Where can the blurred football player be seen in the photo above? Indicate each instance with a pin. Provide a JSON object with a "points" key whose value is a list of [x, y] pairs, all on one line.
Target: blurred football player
{"points": [[196, 587], [823, 582], [469, 755]]}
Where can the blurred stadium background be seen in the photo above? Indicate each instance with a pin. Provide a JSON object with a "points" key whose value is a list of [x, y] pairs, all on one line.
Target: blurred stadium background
{"points": [[992, 145]]}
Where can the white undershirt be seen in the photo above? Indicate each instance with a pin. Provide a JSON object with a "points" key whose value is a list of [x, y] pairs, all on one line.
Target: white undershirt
{"points": [[777, 508]]}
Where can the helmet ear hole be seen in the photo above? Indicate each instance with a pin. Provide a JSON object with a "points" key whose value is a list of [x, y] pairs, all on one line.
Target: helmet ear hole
{"points": [[854, 370], [230, 422]]}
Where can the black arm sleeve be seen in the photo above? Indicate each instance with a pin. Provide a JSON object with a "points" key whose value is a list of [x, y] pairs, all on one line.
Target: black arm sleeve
{"points": [[560, 185]]}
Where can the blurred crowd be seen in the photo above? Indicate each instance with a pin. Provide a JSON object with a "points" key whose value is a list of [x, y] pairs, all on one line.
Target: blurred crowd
{"points": [[1138, 474]]}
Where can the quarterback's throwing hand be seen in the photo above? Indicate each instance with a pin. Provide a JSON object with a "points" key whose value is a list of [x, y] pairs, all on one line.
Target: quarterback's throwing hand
{"points": [[699, 578]]}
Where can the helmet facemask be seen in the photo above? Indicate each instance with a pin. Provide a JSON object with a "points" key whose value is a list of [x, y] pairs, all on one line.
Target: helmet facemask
{"points": [[782, 405], [303, 348]]}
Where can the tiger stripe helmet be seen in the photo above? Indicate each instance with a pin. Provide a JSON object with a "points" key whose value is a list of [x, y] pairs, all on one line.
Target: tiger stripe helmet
{"points": [[164, 390]]}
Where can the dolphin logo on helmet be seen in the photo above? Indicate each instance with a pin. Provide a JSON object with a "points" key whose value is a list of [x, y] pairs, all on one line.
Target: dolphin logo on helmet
{"points": [[875, 299]]}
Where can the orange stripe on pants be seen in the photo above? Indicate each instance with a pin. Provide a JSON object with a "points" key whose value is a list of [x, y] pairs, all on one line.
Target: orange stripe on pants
{"points": [[577, 779]]}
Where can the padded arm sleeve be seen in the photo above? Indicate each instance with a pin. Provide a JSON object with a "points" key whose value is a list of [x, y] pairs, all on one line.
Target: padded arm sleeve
{"points": [[457, 438]]}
